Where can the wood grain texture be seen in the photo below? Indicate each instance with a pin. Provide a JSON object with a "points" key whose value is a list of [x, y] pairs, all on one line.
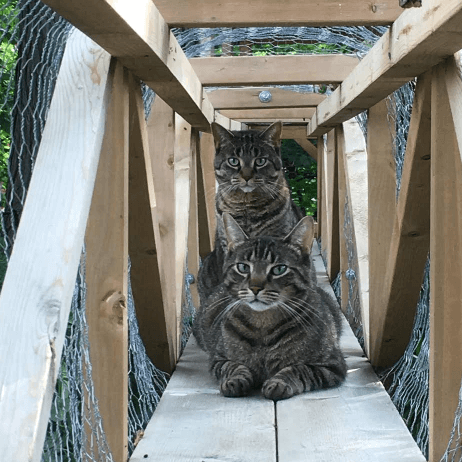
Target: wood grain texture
{"points": [[355, 156], [161, 140], [419, 39], [308, 147], [445, 268], [135, 32], [401, 279], [299, 114], [106, 243], [320, 192], [38, 287], [237, 13], [247, 98], [182, 172], [274, 70], [157, 329]]}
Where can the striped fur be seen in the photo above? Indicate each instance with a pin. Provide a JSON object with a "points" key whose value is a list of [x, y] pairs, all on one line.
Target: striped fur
{"points": [[256, 196], [262, 329]]}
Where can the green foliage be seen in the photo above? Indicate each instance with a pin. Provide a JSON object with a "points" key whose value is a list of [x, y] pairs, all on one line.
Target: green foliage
{"points": [[301, 174], [264, 49], [8, 59]]}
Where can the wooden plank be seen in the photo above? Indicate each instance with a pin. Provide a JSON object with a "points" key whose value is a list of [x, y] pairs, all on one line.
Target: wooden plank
{"points": [[308, 147], [401, 279], [36, 298], [148, 287], [193, 232], [273, 70], [301, 114], [355, 156], [320, 192], [135, 32], [161, 139], [289, 132], [445, 269], [194, 422], [237, 13], [359, 422], [382, 207], [222, 120], [106, 242], [207, 155], [182, 173], [419, 39], [247, 98]]}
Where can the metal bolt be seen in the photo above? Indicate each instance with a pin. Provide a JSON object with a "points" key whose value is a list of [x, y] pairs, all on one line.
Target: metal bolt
{"points": [[350, 274], [265, 96]]}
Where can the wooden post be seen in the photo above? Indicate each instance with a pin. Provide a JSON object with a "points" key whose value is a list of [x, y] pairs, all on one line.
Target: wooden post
{"points": [[182, 171], [400, 280], [106, 272], [157, 328], [319, 177], [37, 292], [446, 267], [161, 136]]}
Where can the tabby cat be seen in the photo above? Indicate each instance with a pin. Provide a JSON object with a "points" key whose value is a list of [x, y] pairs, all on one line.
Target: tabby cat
{"points": [[267, 324], [252, 188]]}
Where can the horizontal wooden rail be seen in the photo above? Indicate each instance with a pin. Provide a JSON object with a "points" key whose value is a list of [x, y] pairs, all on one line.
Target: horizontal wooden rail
{"points": [[300, 114], [241, 13], [247, 98], [418, 39], [135, 32], [274, 70]]}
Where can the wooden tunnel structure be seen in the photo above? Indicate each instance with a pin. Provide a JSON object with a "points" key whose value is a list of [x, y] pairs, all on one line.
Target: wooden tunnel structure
{"points": [[125, 185]]}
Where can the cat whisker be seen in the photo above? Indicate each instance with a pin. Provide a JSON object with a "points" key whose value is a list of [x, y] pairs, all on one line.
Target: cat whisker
{"points": [[226, 312], [307, 308], [305, 324]]}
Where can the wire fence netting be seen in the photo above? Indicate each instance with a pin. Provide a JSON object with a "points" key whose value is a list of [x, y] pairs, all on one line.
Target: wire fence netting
{"points": [[33, 40]]}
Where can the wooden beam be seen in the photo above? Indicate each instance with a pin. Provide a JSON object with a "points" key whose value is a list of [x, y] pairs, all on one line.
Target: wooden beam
{"points": [[274, 70], [145, 236], [320, 184], [36, 298], [161, 139], [301, 114], [247, 98], [238, 13], [135, 32], [445, 269], [400, 280], [289, 132], [308, 147], [106, 242], [419, 39]]}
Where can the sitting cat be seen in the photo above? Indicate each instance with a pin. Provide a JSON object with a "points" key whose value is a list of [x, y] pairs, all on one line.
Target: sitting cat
{"points": [[267, 324], [252, 188]]}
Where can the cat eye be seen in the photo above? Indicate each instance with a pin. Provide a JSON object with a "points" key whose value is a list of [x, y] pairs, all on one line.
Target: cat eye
{"points": [[243, 268], [260, 162], [233, 161], [279, 270]]}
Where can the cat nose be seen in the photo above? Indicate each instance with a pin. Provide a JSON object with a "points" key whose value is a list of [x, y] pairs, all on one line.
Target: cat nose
{"points": [[256, 289], [247, 173]]}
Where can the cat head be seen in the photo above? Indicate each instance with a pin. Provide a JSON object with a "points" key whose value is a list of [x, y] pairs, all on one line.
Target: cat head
{"points": [[264, 272], [247, 159]]}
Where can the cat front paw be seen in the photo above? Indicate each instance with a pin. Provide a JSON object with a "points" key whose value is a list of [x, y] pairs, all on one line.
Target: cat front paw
{"points": [[277, 389], [235, 387]]}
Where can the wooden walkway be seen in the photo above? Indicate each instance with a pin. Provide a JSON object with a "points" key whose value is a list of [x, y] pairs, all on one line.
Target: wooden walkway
{"points": [[356, 422]]}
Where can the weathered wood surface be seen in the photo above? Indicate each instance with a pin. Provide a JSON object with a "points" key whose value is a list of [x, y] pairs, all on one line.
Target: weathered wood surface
{"points": [[356, 421], [273, 70], [419, 39], [446, 266], [247, 98], [187, 13], [289, 115], [400, 280], [106, 244], [135, 32], [38, 287]]}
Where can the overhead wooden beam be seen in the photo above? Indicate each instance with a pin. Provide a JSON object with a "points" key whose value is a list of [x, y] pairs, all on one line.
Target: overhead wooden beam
{"points": [[273, 70], [400, 279], [241, 13], [419, 39], [247, 98], [135, 32], [292, 114], [36, 298], [289, 132]]}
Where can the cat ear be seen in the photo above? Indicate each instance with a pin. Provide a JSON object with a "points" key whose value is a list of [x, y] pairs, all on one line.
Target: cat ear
{"points": [[233, 232], [220, 134], [273, 133], [303, 234]]}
